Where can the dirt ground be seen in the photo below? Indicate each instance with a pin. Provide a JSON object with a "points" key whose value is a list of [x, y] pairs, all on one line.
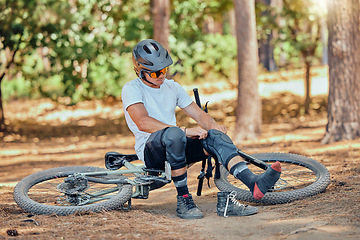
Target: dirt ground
{"points": [[45, 135]]}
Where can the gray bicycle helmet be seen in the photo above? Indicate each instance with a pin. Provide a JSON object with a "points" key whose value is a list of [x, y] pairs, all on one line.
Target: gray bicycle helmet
{"points": [[150, 55]]}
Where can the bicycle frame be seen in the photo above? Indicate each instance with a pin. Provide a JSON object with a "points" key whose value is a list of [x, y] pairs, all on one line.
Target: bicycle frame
{"points": [[252, 160], [141, 181]]}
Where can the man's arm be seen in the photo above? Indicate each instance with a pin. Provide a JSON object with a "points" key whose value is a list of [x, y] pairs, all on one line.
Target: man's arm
{"points": [[204, 120], [143, 121]]}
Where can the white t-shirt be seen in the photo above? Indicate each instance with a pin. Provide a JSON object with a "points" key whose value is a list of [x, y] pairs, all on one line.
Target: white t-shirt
{"points": [[160, 104]]}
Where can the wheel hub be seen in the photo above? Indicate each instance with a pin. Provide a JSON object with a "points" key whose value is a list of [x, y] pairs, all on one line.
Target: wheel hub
{"points": [[73, 188]]}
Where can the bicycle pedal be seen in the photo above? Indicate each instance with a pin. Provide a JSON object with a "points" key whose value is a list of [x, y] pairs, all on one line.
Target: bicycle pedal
{"points": [[144, 192]]}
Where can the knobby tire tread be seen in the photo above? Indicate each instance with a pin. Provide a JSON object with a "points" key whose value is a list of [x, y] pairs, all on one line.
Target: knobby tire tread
{"points": [[319, 185], [29, 205]]}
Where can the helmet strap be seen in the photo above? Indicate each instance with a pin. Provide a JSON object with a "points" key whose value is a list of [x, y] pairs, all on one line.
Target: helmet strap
{"points": [[142, 76]]}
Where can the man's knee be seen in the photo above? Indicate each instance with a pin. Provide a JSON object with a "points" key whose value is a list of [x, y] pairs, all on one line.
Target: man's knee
{"points": [[174, 140], [219, 144]]}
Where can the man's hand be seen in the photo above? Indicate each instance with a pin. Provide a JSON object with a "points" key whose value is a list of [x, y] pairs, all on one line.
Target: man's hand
{"points": [[196, 132], [203, 119], [222, 128]]}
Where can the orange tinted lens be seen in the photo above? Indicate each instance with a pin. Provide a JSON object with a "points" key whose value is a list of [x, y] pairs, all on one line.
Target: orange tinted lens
{"points": [[158, 73], [164, 70], [153, 75]]}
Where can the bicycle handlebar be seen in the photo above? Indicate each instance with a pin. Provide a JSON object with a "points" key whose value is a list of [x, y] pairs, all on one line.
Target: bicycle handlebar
{"points": [[202, 172], [197, 97]]}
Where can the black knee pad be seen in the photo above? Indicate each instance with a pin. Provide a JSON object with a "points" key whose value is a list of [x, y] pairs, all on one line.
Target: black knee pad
{"points": [[220, 145], [174, 140]]}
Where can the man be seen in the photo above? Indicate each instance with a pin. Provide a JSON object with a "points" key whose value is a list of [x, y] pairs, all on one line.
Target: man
{"points": [[149, 104]]}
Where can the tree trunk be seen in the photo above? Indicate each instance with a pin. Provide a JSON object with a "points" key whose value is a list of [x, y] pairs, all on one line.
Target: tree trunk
{"points": [[266, 53], [344, 71], [11, 60], [266, 49], [323, 34], [232, 22], [2, 115], [161, 16], [248, 110], [212, 27], [307, 86]]}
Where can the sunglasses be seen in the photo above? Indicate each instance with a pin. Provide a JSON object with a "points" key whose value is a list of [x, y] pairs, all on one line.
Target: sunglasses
{"points": [[157, 73]]}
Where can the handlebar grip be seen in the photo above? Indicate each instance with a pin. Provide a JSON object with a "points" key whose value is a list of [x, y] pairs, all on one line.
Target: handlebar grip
{"points": [[197, 97], [199, 189]]}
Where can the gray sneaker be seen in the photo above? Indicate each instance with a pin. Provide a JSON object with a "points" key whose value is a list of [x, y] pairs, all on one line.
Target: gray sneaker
{"points": [[227, 205], [187, 209]]}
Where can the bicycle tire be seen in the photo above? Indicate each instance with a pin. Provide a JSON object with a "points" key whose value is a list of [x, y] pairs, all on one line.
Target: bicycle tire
{"points": [[306, 167], [24, 201]]}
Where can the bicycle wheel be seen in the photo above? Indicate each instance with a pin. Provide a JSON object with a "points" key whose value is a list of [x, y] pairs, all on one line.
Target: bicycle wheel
{"points": [[301, 177], [46, 192]]}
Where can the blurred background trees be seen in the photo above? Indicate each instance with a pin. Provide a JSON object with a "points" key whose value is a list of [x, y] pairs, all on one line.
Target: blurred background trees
{"points": [[73, 50], [344, 71], [248, 109]]}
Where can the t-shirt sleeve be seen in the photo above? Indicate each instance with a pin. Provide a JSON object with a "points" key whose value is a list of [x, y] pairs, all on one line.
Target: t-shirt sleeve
{"points": [[130, 95], [183, 99]]}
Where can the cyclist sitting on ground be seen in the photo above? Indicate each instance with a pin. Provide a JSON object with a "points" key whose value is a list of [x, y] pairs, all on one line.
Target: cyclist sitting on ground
{"points": [[149, 103]]}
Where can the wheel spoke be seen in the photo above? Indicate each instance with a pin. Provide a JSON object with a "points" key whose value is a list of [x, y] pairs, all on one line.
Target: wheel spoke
{"points": [[298, 173], [293, 176], [47, 193]]}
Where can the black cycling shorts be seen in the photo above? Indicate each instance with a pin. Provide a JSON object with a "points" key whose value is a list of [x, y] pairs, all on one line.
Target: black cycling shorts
{"points": [[155, 154]]}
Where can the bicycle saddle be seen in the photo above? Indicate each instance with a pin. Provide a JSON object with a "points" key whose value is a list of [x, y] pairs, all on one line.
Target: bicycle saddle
{"points": [[114, 160]]}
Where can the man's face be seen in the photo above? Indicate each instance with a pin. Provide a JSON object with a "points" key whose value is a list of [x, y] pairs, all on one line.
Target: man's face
{"points": [[158, 81]]}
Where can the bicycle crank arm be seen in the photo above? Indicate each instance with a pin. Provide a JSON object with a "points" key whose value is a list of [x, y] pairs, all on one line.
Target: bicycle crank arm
{"points": [[255, 161]]}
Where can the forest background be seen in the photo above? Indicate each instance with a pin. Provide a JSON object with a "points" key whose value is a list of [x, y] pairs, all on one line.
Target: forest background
{"points": [[82, 49], [70, 51]]}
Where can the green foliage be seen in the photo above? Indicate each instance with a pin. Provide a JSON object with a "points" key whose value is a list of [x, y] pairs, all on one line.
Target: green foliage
{"points": [[295, 25], [265, 20], [82, 48], [299, 30], [198, 55], [213, 57], [188, 17], [19, 87], [85, 43]]}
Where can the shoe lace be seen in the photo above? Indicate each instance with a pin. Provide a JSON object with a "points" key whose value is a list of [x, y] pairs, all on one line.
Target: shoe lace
{"points": [[232, 197], [189, 203]]}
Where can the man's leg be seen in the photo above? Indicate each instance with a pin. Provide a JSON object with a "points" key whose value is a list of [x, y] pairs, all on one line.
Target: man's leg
{"points": [[160, 147], [174, 140], [258, 184], [179, 178], [222, 147]]}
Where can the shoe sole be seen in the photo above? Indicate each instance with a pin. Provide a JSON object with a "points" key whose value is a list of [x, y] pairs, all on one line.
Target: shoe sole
{"points": [[235, 215], [190, 217]]}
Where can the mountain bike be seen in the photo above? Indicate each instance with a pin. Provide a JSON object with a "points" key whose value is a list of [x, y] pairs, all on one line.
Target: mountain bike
{"points": [[78, 189]]}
